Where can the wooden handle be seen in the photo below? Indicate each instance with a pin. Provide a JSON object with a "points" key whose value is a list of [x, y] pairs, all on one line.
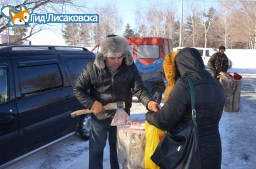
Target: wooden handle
{"points": [[109, 106], [80, 112]]}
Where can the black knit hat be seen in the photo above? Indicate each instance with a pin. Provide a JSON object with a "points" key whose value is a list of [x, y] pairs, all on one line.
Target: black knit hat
{"points": [[222, 47]]}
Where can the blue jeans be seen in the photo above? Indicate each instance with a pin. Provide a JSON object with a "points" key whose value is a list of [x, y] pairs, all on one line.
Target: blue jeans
{"points": [[97, 142]]}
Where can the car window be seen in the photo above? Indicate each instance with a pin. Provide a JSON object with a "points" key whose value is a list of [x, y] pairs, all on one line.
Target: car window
{"points": [[75, 67], [148, 52], [37, 79], [3, 85], [207, 53]]}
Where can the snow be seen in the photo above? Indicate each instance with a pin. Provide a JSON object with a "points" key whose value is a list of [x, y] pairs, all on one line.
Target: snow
{"points": [[242, 58], [237, 129]]}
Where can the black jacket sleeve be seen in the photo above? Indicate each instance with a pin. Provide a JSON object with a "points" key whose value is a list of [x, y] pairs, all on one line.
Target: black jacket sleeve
{"points": [[81, 89], [139, 88], [172, 110]]}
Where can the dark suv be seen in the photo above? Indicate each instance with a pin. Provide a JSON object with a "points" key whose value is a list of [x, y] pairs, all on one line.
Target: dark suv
{"points": [[36, 97]]}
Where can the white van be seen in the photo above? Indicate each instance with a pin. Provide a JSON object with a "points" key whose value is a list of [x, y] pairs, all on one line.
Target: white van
{"points": [[206, 53]]}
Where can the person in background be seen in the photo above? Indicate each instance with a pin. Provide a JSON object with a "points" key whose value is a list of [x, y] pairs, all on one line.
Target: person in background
{"points": [[112, 77], [175, 114], [218, 63]]}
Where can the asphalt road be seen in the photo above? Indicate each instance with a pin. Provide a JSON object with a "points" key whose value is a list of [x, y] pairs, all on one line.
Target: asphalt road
{"points": [[238, 133]]}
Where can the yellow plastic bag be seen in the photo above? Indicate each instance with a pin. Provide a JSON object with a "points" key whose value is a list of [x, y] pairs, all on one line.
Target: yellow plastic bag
{"points": [[153, 137]]}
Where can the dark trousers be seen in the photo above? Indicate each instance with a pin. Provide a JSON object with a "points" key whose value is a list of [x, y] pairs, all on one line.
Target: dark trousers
{"points": [[97, 142]]}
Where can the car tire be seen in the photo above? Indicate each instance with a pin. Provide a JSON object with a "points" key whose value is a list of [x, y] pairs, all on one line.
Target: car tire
{"points": [[157, 94], [84, 127]]}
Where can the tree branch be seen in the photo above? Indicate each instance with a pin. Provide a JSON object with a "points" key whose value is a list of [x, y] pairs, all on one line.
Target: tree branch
{"points": [[31, 33]]}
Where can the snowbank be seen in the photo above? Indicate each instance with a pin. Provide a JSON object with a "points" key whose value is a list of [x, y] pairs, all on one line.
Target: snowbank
{"points": [[242, 58]]}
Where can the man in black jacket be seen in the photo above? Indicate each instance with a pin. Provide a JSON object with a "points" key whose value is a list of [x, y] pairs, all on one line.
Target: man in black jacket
{"points": [[111, 77], [218, 62]]}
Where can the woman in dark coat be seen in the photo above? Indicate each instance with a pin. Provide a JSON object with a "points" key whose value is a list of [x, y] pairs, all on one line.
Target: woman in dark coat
{"points": [[209, 102]]}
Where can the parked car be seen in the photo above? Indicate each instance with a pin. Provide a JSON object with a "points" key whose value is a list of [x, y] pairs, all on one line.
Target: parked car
{"points": [[148, 54], [36, 97]]}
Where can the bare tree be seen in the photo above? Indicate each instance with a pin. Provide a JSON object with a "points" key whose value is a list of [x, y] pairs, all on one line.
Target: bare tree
{"points": [[250, 9], [155, 19], [235, 29], [86, 34], [169, 25], [209, 18], [71, 34], [140, 19], [19, 33], [243, 19], [194, 29], [78, 34], [110, 22], [143, 31], [156, 22]]}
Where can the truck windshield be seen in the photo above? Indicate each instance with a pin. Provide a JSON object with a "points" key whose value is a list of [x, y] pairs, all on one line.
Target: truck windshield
{"points": [[148, 52], [3, 85]]}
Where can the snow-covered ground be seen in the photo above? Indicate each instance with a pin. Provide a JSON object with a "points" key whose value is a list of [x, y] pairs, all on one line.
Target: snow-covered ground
{"points": [[242, 58], [238, 130], [238, 134]]}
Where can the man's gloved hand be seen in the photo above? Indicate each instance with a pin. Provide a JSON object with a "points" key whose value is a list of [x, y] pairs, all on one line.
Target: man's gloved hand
{"points": [[154, 106], [97, 108]]}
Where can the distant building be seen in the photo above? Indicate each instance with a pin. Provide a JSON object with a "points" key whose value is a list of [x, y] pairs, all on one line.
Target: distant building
{"points": [[4, 39]]}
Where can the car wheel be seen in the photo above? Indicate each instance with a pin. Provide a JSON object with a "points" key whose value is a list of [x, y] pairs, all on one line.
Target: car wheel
{"points": [[84, 126], [157, 94]]}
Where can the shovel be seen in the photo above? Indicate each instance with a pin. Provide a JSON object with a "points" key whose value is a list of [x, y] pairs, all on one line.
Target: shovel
{"points": [[120, 117]]}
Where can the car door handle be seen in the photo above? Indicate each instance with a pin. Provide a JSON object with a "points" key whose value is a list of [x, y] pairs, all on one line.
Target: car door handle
{"points": [[6, 117], [69, 97]]}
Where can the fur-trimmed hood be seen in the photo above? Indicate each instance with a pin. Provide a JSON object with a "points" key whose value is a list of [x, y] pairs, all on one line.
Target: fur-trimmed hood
{"points": [[189, 61], [113, 46], [169, 70], [185, 62]]}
